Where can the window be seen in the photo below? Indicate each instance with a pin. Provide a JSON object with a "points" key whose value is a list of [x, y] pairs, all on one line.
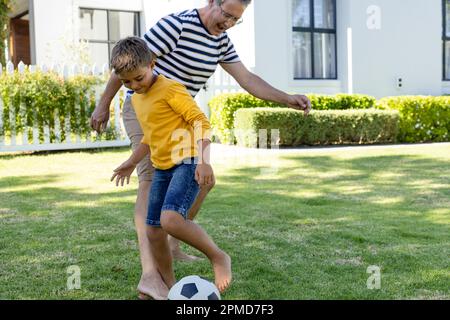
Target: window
{"points": [[103, 28], [446, 39], [314, 39]]}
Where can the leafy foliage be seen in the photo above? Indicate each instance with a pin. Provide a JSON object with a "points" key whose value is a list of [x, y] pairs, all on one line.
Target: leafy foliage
{"points": [[422, 118], [5, 8], [42, 99]]}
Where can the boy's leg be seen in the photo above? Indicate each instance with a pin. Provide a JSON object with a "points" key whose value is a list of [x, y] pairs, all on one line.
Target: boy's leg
{"points": [[151, 282], [191, 233], [174, 243], [180, 195]]}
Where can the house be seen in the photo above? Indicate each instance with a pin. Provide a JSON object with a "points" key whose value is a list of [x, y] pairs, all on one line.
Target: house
{"points": [[376, 47]]}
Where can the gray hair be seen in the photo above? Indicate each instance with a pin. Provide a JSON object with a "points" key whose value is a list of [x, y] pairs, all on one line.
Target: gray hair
{"points": [[244, 2]]}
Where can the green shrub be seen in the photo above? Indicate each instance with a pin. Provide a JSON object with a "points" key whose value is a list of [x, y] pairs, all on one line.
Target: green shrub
{"points": [[422, 118], [341, 101], [320, 127], [38, 99], [224, 106]]}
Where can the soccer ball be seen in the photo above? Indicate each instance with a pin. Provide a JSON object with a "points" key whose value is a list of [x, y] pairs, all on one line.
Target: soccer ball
{"points": [[194, 288]]}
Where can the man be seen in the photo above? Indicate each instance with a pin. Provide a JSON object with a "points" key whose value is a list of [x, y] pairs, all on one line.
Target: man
{"points": [[189, 46]]}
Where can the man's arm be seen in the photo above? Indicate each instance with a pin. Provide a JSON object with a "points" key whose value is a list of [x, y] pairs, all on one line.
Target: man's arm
{"points": [[100, 116], [262, 90]]}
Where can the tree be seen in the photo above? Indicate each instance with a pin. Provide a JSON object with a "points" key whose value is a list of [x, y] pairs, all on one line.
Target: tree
{"points": [[5, 8]]}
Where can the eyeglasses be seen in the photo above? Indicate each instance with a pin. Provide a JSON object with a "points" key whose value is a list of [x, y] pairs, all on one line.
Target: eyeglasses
{"points": [[230, 17]]}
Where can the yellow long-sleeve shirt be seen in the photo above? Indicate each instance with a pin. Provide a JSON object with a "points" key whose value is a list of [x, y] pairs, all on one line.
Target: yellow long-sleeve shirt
{"points": [[171, 121]]}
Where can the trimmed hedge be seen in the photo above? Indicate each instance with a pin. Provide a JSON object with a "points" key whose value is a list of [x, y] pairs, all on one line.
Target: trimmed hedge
{"points": [[224, 106], [422, 118], [320, 127], [341, 101]]}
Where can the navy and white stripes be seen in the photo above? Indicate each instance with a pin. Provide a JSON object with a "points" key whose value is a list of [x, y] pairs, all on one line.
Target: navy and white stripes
{"points": [[186, 51]]}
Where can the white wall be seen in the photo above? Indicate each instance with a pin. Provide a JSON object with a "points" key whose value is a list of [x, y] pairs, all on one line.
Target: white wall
{"points": [[50, 18], [274, 58], [408, 45], [56, 22], [271, 41]]}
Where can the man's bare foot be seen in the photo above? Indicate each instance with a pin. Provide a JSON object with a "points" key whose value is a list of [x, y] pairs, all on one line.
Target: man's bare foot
{"points": [[179, 255], [152, 286], [222, 271]]}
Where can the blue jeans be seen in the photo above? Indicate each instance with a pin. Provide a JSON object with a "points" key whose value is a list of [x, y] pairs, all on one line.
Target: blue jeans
{"points": [[174, 189]]}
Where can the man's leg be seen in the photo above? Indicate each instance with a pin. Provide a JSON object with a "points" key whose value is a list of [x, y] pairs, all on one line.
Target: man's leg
{"points": [[163, 258], [204, 190]]}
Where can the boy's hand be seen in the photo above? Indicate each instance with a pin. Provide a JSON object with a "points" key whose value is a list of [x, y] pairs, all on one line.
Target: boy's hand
{"points": [[123, 171], [204, 174]]}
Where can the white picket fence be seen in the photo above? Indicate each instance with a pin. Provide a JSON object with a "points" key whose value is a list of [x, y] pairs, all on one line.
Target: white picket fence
{"points": [[221, 82]]}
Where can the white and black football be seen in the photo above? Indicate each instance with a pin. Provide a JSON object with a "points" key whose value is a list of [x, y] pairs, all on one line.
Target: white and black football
{"points": [[194, 288]]}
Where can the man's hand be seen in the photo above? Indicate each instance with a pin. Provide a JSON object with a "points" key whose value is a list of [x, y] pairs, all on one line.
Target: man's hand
{"points": [[100, 116], [123, 171], [204, 174], [299, 102]]}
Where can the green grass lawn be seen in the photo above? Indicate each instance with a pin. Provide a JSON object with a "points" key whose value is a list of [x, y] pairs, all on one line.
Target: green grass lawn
{"points": [[309, 230]]}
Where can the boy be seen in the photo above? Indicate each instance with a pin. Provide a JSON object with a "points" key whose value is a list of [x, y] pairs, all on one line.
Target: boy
{"points": [[172, 125]]}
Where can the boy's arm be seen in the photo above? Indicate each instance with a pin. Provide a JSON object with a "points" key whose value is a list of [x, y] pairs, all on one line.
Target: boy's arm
{"points": [[126, 169], [182, 103], [139, 153]]}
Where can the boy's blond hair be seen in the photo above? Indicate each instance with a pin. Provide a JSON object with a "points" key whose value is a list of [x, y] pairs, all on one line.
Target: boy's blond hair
{"points": [[129, 54]]}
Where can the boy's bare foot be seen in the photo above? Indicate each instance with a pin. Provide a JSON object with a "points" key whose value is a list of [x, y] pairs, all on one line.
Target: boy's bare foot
{"points": [[179, 255], [222, 271], [152, 286]]}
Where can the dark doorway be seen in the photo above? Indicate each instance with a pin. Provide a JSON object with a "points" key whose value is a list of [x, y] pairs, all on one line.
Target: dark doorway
{"points": [[19, 44]]}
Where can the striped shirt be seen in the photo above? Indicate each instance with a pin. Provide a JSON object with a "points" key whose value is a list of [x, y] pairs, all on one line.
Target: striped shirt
{"points": [[186, 51]]}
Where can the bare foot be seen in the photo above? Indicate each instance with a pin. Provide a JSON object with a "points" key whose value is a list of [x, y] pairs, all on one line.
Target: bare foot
{"points": [[152, 286], [222, 271], [179, 255]]}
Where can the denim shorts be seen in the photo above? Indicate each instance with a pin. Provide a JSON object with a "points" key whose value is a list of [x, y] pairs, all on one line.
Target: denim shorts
{"points": [[174, 189]]}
